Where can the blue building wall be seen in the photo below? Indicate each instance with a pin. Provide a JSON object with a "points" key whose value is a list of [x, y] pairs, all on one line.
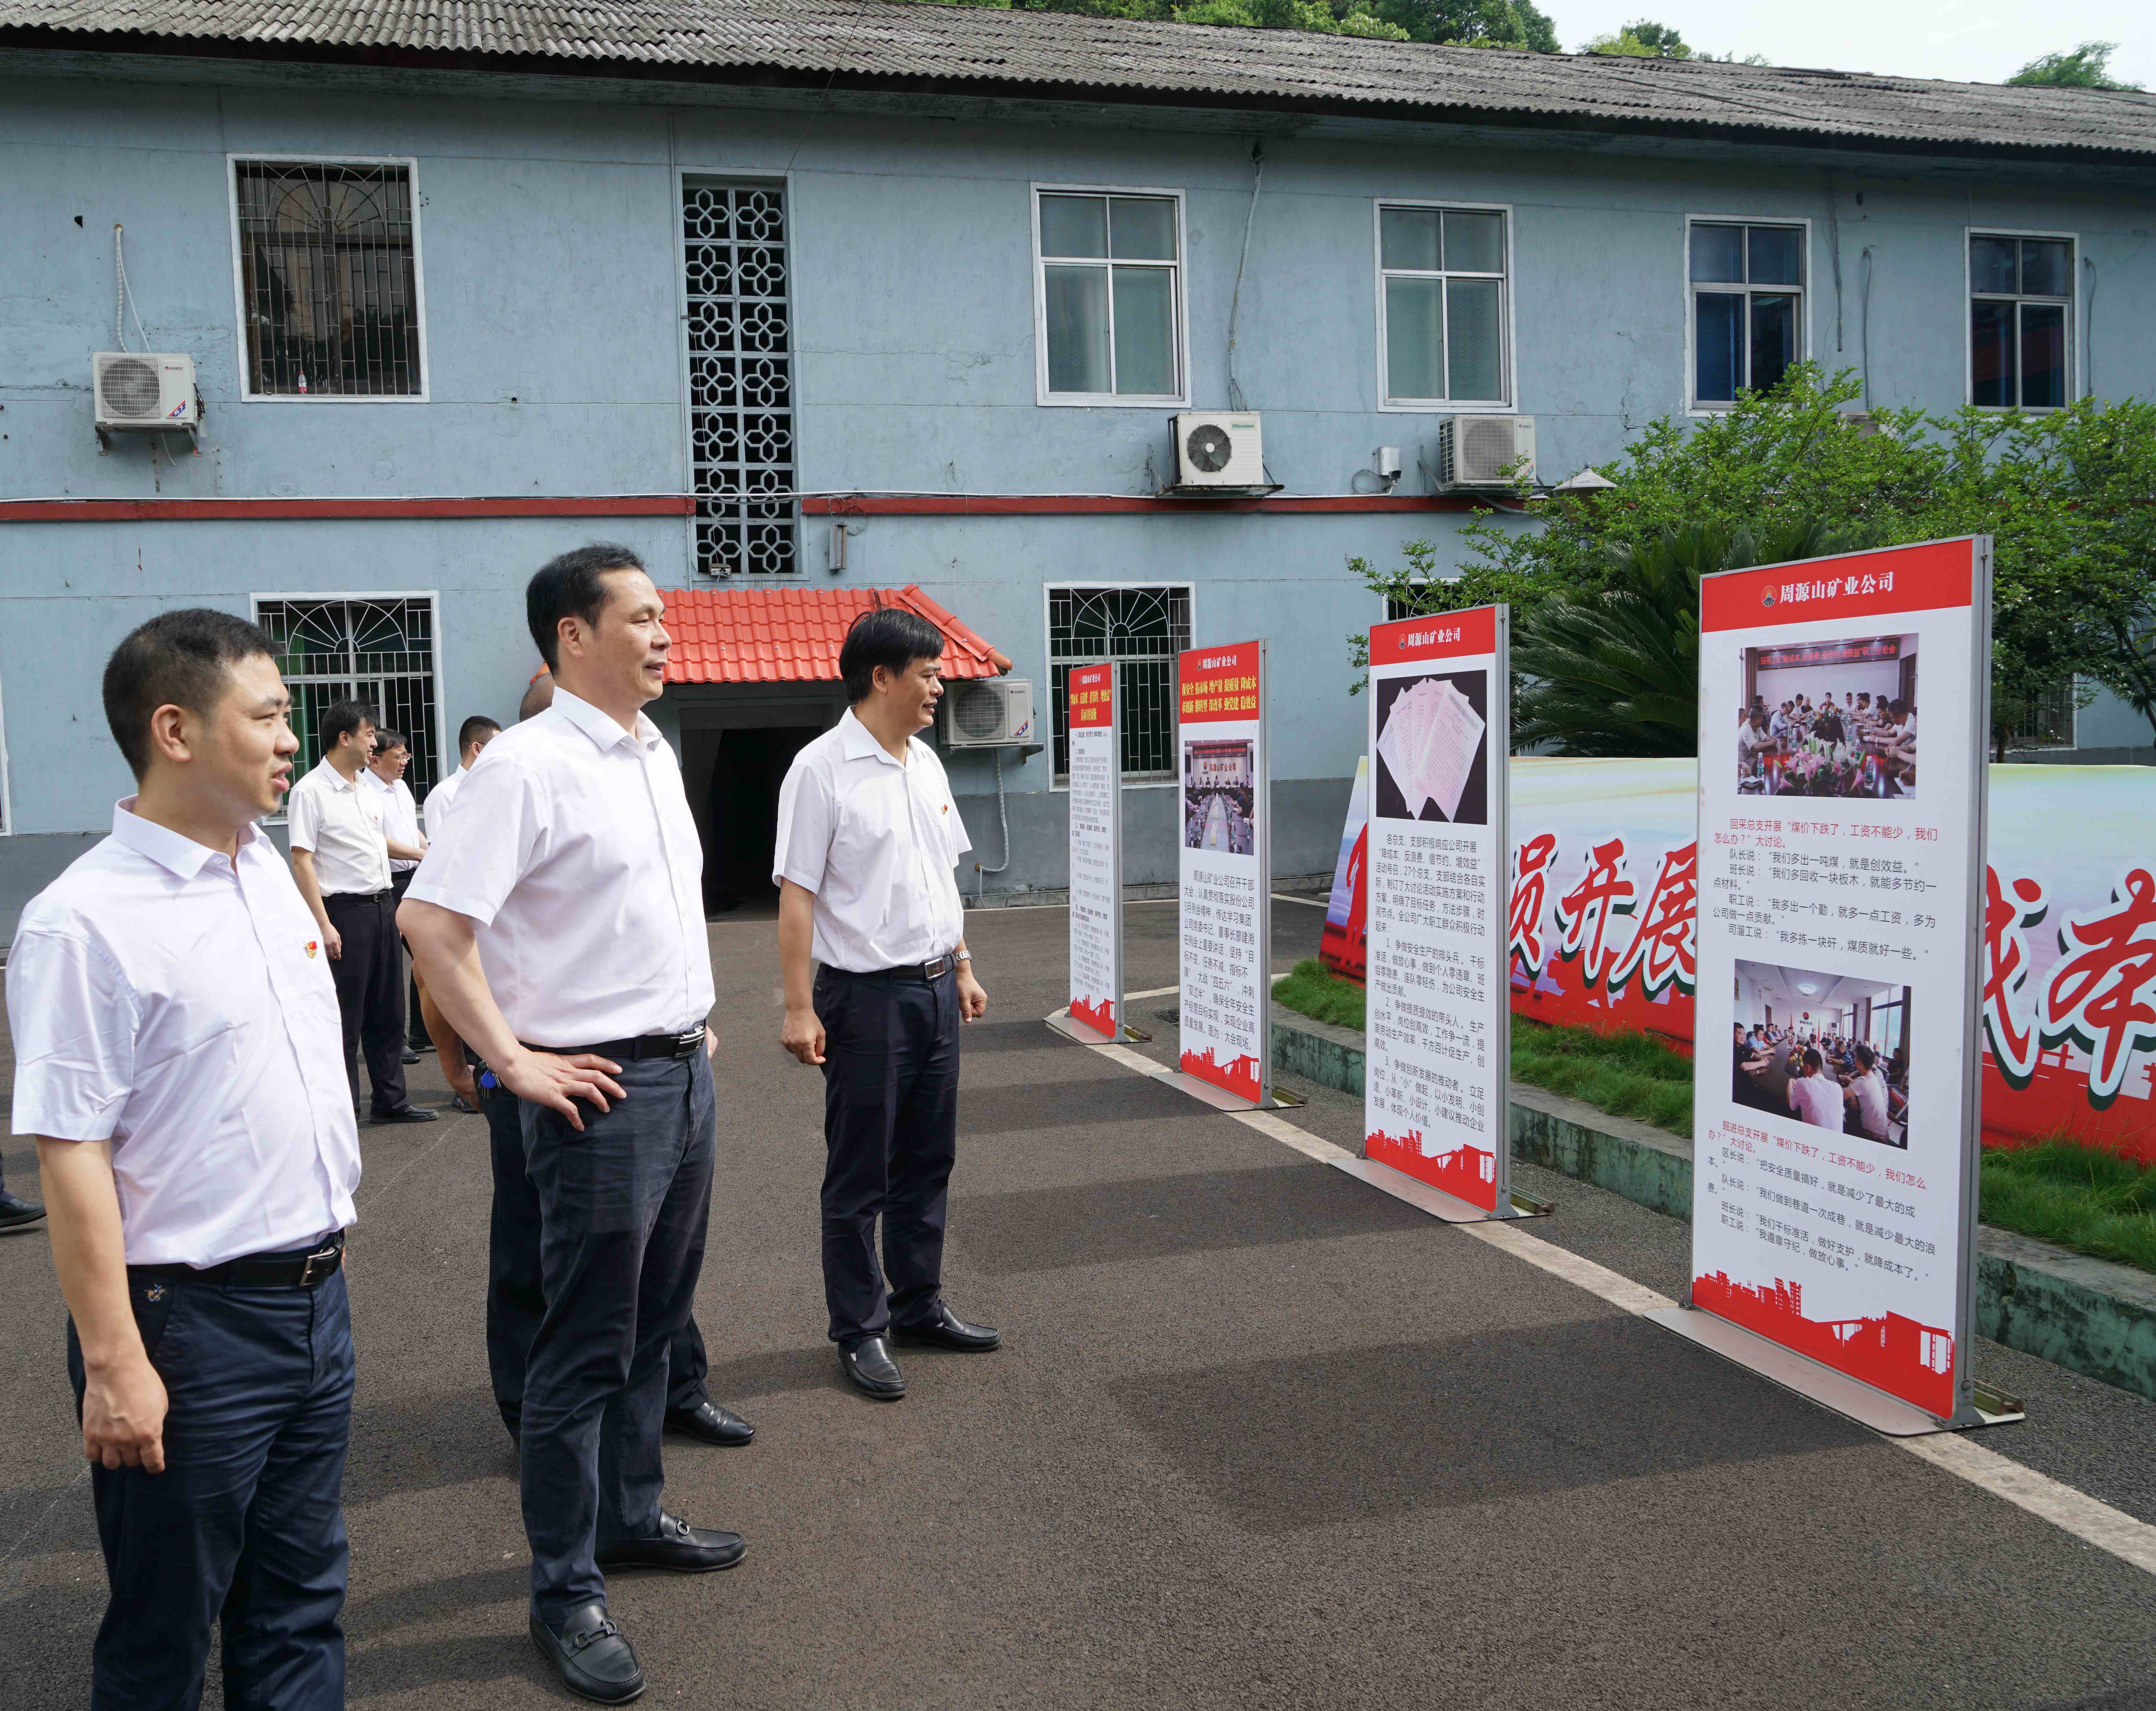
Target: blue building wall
{"points": [[556, 366]]}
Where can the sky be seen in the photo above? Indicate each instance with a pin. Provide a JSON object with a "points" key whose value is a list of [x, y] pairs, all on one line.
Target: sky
{"points": [[1975, 41]]}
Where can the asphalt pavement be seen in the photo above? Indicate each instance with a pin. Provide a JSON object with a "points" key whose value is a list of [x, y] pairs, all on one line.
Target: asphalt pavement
{"points": [[1260, 1436]]}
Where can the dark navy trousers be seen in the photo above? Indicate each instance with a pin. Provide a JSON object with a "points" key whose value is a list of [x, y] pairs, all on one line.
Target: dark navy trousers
{"points": [[245, 1526], [622, 1208], [516, 1296], [890, 1136]]}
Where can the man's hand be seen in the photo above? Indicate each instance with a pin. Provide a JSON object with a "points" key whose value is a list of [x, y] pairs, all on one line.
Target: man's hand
{"points": [[803, 1035], [123, 1415], [711, 1043], [557, 1082], [972, 997], [333, 942], [461, 1080]]}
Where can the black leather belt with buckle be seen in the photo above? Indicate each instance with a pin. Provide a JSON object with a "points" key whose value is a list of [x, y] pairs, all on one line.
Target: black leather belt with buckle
{"points": [[686, 1044], [258, 1271]]}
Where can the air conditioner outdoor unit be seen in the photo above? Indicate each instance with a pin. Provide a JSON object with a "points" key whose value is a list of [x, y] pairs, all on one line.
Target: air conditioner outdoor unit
{"points": [[1485, 451], [140, 390], [1214, 449], [987, 713]]}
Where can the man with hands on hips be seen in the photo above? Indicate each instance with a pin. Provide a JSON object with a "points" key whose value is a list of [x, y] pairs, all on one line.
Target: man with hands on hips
{"points": [[868, 838]]}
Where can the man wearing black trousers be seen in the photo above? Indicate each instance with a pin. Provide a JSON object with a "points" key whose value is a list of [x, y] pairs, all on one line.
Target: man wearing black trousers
{"points": [[868, 837], [384, 775], [341, 858]]}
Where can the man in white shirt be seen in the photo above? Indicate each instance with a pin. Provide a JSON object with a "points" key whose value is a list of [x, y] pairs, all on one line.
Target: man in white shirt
{"points": [[1867, 1092], [560, 926], [384, 775], [1815, 1099], [474, 733], [176, 1035], [868, 836], [341, 857]]}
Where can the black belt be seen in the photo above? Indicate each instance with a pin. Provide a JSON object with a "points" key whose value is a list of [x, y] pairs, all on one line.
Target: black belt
{"points": [[330, 897], [258, 1271], [934, 970], [686, 1044]]}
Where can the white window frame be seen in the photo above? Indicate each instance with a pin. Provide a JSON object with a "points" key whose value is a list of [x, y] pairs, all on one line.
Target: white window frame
{"points": [[411, 165], [6, 776], [2074, 388], [1800, 222], [1180, 267], [1048, 656], [1508, 355]]}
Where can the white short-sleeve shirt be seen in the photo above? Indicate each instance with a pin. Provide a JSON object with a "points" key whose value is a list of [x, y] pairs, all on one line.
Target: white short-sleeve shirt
{"points": [[339, 820], [876, 841], [176, 1004], [400, 814], [577, 859], [436, 808], [1816, 1100]]}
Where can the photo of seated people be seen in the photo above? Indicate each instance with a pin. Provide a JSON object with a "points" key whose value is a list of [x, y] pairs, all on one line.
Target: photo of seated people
{"points": [[1219, 797], [1829, 718], [1823, 1049]]}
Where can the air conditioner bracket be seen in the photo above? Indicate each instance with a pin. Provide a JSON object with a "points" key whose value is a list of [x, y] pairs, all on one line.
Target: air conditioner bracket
{"points": [[1266, 491], [193, 433]]}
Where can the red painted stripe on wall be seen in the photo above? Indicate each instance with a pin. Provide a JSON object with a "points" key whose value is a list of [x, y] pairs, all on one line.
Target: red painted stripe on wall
{"points": [[1027, 504], [204, 511]]}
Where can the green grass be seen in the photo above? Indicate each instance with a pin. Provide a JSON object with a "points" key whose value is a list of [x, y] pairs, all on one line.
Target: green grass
{"points": [[1628, 1074], [2080, 1197], [1317, 992]]}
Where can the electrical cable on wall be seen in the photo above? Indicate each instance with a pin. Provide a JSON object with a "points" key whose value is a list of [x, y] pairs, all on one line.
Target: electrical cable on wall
{"points": [[1864, 323], [1235, 302], [123, 296], [1002, 818]]}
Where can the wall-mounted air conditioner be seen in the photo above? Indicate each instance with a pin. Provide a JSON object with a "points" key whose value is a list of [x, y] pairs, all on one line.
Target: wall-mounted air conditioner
{"points": [[1218, 449], [139, 390], [1485, 451], [987, 713]]}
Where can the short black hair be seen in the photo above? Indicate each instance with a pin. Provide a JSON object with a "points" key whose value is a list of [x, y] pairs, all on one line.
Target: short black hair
{"points": [[177, 660], [1812, 1059], [538, 697], [570, 586], [385, 741], [474, 729], [889, 636], [341, 717], [1867, 1056]]}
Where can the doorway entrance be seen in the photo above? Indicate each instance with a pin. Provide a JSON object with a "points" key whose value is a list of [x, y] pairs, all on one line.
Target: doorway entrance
{"points": [[737, 742]]}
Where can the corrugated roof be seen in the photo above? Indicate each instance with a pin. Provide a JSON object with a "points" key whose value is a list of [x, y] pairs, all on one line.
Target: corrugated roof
{"points": [[793, 635], [883, 42]]}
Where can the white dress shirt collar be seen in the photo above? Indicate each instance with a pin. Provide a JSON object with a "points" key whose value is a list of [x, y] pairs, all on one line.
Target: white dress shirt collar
{"points": [[857, 742], [603, 729], [174, 851]]}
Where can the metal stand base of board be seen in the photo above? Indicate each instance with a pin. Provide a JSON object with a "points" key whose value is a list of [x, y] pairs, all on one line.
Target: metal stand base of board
{"points": [[1823, 1385], [1088, 1035], [1221, 1099], [1435, 1200]]}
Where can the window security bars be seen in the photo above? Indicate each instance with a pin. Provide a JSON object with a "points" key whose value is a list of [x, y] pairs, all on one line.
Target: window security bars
{"points": [[740, 378], [1748, 308], [1109, 295], [2020, 320], [329, 279], [381, 652], [1441, 297], [1142, 630]]}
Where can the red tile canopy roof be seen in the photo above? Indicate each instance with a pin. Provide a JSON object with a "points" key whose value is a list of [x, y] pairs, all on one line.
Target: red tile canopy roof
{"points": [[793, 635]]}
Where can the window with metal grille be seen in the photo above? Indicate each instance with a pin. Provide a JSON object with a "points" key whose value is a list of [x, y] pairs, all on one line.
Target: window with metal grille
{"points": [[329, 279], [1141, 630], [2020, 321], [1748, 308], [741, 377], [380, 651]]}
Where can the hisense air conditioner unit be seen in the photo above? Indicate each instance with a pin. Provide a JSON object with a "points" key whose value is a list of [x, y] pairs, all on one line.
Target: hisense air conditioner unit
{"points": [[139, 390], [1218, 449], [1485, 451], [987, 713]]}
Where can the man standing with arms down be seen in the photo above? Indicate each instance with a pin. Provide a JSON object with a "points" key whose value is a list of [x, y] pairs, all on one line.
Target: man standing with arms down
{"points": [[868, 837], [474, 733], [570, 869], [177, 1040], [384, 775]]}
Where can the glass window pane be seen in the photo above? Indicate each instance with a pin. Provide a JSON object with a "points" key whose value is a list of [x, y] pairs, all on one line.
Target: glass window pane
{"points": [[1718, 330], [1717, 253], [1478, 358], [1415, 339], [1141, 229], [1074, 225], [1773, 339], [1145, 331], [1778, 255], [1991, 264], [2047, 267], [1078, 329], [1991, 353], [2043, 355], [1474, 243], [1408, 237]]}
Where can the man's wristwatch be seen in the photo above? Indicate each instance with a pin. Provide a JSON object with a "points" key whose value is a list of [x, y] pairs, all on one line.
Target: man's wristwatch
{"points": [[961, 956]]}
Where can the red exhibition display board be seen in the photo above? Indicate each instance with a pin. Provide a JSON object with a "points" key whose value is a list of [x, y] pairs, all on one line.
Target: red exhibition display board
{"points": [[1097, 850], [1842, 888], [1224, 864]]}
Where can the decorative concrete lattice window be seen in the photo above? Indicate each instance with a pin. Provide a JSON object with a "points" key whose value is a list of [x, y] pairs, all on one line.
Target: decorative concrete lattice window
{"points": [[329, 279], [379, 649], [1748, 308], [2020, 320], [741, 377], [1142, 630]]}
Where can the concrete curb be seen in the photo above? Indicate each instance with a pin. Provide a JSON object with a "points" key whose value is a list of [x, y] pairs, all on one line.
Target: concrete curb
{"points": [[2088, 1315]]}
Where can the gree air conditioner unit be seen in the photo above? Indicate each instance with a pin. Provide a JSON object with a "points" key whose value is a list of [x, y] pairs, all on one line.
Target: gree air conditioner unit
{"points": [[138, 390], [1214, 449], [1485, 451], [987, 713]]}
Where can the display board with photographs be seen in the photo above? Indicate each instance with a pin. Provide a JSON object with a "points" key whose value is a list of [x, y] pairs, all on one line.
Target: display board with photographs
{"points": [[1830, 1050], [1433, 746], [1836, 717]]}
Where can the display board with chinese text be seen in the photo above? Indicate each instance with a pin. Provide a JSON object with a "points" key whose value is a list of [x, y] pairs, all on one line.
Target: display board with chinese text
{"points": [[1438, 1032], [1097, 850], [1840, 879]]}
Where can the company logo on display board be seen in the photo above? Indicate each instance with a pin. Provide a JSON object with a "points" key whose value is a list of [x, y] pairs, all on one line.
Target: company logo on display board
{"points": [[1766, 597]]}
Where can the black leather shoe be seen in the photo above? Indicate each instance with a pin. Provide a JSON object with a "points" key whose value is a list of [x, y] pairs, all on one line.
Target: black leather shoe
{"points": [[411, 1056], [870, 1369], [405, 1113], [676, 1545], [592, 1656], [710, 1423], [947, 1331], [15, 1210]]}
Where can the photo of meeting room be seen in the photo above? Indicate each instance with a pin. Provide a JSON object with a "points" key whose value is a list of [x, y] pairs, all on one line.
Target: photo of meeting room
{"points": [[1824, 1049], [1829, 718], [1219, 795]]}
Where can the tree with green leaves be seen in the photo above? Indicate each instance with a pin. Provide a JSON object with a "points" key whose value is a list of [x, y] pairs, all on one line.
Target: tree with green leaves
{"points": [[2085, 67], [1479, 24], [1642, 39]]}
